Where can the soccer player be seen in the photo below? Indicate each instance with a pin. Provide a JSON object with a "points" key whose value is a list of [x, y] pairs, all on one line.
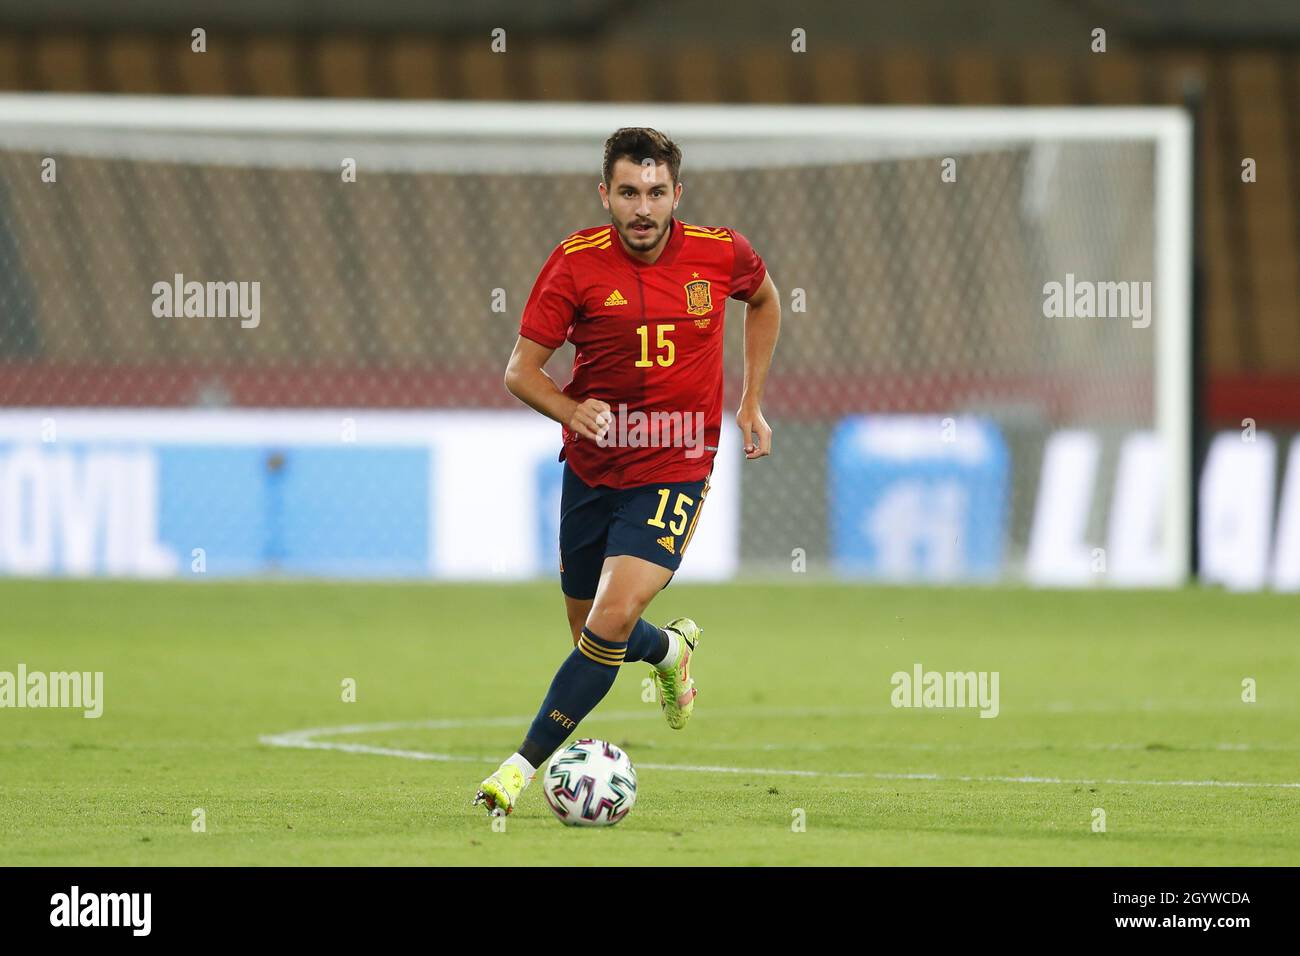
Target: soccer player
{"points": [[642, 299]]}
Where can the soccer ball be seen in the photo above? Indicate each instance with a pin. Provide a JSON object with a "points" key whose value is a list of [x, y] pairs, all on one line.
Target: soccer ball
{"points": [[590, 783]]}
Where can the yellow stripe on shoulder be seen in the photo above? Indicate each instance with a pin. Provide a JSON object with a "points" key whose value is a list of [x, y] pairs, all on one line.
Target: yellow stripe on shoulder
{"points": [[590, 240], [591, 232], [583, 247], [707, 232]]}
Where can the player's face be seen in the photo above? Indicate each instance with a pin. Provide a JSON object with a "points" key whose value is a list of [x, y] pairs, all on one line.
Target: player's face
{"points": [[640, 199]]}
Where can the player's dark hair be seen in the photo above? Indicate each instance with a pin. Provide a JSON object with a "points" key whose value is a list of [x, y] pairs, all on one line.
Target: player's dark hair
{"points": [[639, 143]]}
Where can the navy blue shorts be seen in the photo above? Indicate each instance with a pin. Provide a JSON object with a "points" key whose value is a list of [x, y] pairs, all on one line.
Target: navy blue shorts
{"points": [[654, 522]]}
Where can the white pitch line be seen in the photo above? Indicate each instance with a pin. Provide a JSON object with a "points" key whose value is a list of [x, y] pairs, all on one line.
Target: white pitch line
{"points": [[306, 740], [969, 748]]}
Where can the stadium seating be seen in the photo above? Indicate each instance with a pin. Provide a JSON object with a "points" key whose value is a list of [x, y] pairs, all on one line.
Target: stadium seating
{"points": [[1250, 238]]}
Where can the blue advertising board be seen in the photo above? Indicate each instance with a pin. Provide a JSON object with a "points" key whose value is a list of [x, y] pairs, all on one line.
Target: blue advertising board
{"points": [[917, 498]]}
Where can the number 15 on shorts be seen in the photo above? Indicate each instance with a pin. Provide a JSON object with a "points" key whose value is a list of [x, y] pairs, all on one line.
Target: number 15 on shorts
{"points": [[678, 525]]}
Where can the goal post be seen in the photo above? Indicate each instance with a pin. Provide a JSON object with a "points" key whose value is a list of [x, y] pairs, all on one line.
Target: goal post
{"points": [[1012, 283]]}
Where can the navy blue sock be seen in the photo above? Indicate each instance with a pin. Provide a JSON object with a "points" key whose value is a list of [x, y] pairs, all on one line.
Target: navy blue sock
{"points": [[646, 643], [580, 684]]}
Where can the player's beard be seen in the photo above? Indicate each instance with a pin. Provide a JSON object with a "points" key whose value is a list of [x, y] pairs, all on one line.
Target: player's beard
{"points": [[639, 243]]}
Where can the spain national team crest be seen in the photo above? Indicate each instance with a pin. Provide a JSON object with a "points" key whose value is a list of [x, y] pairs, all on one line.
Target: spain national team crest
{"points": [[699, 300]]}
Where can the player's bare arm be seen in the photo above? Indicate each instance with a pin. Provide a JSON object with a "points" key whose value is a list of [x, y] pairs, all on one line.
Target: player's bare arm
{"points": [[526, 379], [762, 326]]}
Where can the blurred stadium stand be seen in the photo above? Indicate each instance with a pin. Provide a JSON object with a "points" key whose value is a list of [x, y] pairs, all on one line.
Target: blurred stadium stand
{"points": [[1246, 62]]}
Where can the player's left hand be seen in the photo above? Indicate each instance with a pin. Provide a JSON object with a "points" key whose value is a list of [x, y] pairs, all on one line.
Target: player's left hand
{"points": [[755, 429]]}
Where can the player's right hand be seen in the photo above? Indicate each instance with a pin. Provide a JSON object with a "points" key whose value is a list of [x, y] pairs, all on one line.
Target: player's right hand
{"points": [[591, 419]]}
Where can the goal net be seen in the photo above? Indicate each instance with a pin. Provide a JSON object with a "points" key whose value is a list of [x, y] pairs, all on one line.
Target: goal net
{"points": [[267, 337]]}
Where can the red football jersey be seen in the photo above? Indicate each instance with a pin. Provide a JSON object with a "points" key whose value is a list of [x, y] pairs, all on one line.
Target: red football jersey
{"points": [[648, 340]]}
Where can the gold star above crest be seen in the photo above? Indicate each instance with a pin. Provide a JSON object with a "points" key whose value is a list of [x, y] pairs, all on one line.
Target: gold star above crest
{"points": [[695, 275]]}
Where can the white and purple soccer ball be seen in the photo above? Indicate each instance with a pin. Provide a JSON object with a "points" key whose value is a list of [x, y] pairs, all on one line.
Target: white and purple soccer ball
{"points": [[590, 783]]}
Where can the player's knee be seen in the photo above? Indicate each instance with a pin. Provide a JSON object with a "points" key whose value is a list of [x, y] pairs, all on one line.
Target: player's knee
{"points": [[613, 621]]}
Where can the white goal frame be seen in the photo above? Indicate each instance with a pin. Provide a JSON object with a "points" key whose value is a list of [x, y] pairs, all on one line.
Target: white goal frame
{"points": [[1168, 128]]}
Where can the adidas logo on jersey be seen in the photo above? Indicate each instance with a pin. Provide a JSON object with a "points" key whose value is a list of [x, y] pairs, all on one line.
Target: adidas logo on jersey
{"points": [[616, 298], [666, 542]]}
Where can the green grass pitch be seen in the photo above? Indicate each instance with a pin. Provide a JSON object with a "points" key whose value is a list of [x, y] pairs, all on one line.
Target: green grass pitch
{"points": [[1107, 694]]}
